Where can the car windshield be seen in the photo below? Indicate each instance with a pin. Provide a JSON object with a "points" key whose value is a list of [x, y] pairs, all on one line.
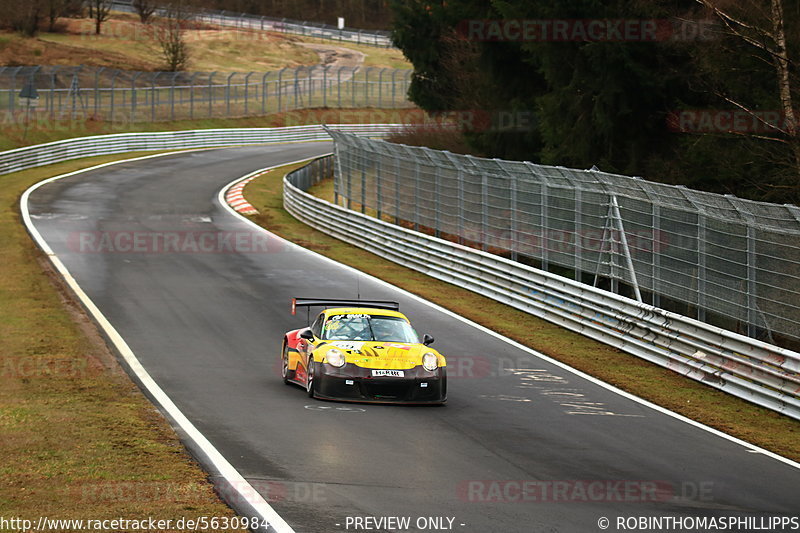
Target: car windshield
{"points": [[360, 327]]}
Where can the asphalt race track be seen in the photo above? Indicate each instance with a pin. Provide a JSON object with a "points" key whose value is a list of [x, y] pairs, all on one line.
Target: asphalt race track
{"points": [[207, 321]]}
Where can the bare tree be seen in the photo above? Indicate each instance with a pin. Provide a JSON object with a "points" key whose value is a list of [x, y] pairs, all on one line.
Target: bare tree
{"points": [[145, 9], [23, 16], [171, 37], [99, 10], [761, 24]]}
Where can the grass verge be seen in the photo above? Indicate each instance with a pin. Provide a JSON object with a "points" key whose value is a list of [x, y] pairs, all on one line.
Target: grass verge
{"points": [[127, 44], [709, 406], [78, 438]]}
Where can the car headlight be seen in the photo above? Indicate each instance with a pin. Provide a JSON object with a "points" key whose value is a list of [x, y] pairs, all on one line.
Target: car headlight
{"points": [[430, 362], [336, 358]]}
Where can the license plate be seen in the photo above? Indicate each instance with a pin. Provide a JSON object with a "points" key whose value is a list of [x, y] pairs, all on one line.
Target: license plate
{"points": [[388, 373]]}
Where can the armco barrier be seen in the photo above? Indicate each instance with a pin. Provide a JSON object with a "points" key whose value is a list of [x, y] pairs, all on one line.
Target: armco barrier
{"points": [[58, 151], [756, 371]]}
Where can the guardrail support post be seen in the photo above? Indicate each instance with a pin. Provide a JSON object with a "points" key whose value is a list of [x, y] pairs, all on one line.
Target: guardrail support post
{"points": [[626, 249]]}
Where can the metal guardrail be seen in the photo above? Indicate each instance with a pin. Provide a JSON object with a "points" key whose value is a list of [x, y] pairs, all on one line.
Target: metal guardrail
{"points": [[723, 260], [255, 22], [764, 374], [58, 151]]}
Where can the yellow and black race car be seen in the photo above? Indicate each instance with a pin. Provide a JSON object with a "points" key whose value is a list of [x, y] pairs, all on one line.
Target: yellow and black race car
{"points": [[363, 351]]}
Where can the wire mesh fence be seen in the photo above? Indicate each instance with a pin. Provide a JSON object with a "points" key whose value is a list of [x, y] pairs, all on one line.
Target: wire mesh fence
{"points": [[30, 93], [730, 262]]}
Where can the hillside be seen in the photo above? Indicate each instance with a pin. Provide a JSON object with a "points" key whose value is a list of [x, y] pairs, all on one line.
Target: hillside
{"points": [[127, 44]]}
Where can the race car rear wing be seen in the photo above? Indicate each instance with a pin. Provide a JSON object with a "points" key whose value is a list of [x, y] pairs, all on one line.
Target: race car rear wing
{"points": [[336, 302]]}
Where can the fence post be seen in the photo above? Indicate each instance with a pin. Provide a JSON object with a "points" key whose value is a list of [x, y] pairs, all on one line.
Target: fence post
{"points": [[191, 95], [339, 87], [380, 87], [325, 85], [280, 88], [247, 92], [378, 195], [97, 89], [228, 94], [543, 214], [12, 95], [484, 211], [353, 86], [153, 96], [113, 86], [310, 85], [172, 96], [264, 93], [578, 229], [363, 189], [394, 89], [416, 194], [397, 190], [211, 93], [701, 266], [513, 186], [53, 74], [296, 84], [349, 184], [133, 95]]}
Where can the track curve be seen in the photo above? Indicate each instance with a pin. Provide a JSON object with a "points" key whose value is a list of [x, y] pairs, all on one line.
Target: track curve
{"points": [[206, 320]]}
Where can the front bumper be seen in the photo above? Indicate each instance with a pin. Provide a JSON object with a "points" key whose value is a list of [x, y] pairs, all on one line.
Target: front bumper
{"points": [[354, 383]]}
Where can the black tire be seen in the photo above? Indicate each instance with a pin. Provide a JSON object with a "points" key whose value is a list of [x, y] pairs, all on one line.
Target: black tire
{"points": [[286, 374], [311, 380]]}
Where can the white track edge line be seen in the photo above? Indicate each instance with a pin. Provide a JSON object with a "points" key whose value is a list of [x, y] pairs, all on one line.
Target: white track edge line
{"points": [[663, 410], [245, 490]]}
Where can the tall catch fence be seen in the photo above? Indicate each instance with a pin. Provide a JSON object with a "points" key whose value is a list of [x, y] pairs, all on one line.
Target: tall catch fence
{"points": [[726, 261], [62, 93]]}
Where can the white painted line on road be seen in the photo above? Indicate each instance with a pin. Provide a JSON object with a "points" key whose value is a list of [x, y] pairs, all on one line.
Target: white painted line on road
{"points": [[748, 446], [237, 482]]}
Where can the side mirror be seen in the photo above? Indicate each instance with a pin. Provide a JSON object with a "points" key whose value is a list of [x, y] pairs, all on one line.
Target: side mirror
{"points": [[307, 335], [427, 339]]}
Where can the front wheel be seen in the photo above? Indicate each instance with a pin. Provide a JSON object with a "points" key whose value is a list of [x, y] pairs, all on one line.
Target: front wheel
{"points": [[310, 385], [286, 374]]}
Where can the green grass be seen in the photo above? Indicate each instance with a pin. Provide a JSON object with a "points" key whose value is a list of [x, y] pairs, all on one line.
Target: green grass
{"points": [[736, 417], [77, 438]]}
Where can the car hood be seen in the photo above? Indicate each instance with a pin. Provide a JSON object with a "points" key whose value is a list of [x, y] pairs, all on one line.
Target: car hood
{"points": [[388, 355]]}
